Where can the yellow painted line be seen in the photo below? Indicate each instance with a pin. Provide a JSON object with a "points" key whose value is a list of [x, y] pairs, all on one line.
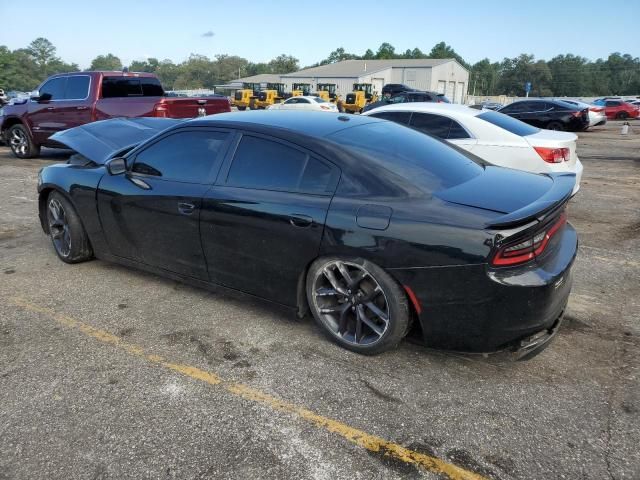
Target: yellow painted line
{"points": [[353, 435]]}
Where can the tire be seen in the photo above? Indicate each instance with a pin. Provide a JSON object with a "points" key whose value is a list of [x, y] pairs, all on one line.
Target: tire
{"points": [[252, 104], [338, 308], [66, 231], [242, 109], [555, 126], [21, 143], [622, 115]]}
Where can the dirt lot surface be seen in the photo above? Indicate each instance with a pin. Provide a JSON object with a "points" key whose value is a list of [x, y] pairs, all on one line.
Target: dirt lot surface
{"points": [[107, 372]]}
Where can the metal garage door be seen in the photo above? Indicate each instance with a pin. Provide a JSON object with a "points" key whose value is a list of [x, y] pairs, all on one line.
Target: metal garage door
{"points": [[451, 91], [377, 84], [442, 86], [460, 93]]}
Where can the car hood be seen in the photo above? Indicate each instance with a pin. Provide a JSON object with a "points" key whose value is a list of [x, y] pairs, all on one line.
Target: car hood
{"points": [[517, 196], [99, 141]]}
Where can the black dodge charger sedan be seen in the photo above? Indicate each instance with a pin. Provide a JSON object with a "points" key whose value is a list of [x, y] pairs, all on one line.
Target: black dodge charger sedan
{"points": [[373, 227]]}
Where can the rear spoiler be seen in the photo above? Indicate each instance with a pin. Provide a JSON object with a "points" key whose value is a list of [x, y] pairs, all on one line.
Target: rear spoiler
{"points": [[552, 200]]}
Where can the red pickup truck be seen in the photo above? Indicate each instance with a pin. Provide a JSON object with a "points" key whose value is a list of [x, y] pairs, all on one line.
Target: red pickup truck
{"points": [[71, 99]]}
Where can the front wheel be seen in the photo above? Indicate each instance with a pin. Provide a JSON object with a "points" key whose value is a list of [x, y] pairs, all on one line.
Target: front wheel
{"points": [[67, 234], [21, 143], [357, 304]]}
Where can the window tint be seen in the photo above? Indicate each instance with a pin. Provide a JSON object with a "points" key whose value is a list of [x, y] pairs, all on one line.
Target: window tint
{"points": [[414, 159], [184, 156], [131, 87], [291, 101], [514, 108], [610, 103], [54, 87], [508, 123], [77, 87], [398, 99], [319, 100], [303, 100], [263, 164], [316, 177], [398, 117], [435, 125], [151, 87], [457, 131]]}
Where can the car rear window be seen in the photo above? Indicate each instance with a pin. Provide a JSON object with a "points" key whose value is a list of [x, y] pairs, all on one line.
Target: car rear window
{"points": [[419, 160], [508, 123], [131, 87], [319, 100]]}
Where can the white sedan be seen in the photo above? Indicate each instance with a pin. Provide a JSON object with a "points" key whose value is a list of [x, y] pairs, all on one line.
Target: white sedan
{"points": [[305, 103], [495, 137]]}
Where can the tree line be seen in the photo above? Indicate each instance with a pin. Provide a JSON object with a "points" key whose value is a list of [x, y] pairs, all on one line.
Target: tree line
{"points": [[564, 75]]}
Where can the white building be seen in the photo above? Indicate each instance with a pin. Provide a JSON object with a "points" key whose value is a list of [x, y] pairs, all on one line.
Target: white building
{"points": [[437, 75]]}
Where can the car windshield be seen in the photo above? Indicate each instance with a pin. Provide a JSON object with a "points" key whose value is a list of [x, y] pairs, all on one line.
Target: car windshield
{"points": [[319, 100], [508, 123], [420, 160]]}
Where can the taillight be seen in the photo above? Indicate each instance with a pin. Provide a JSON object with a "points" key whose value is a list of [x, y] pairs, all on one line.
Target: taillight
{"points": [[325, 107], [529, 248], [553, 155], [160, 111]]}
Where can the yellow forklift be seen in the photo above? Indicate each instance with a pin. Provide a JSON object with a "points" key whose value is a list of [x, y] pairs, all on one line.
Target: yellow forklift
{"points": [[300, 89], [327, 91], [242, 97], [274, 93], [362, 94]]}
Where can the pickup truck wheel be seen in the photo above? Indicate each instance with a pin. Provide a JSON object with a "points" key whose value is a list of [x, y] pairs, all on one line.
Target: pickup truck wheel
{"points": [[21, 143], [67, 233]]}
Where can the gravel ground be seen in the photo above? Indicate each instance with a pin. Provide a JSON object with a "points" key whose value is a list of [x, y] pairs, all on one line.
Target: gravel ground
{"points": [[103, 370]]}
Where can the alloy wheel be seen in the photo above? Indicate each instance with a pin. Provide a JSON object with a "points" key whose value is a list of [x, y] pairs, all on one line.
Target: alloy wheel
{"points": [[351, 303], [18, 141], [59, 228]]}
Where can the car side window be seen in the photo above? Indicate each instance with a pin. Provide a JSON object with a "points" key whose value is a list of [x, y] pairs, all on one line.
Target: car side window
{"points": [[291, 101], [77, 87], [435, 125], [267, 165], [399, 117], [54, 87], [190, 156], [303, 100], [457, 131], [610, 103], [398, 99]]}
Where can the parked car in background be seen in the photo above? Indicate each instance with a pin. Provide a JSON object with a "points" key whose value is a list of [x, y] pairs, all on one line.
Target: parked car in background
{"points": [[496, 138], [487, 106], [407, 97], [597, 115], [308, 102], [391, 89], [71, 99], [549, 114], [618, 109], [362, 222]]}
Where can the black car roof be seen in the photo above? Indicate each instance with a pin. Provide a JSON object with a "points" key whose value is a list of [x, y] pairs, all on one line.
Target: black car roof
{"points": [[313, 124]]}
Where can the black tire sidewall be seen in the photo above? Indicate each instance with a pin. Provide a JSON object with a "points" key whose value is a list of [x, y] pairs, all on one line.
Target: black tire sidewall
{"points": [[80, 247], [396, 298], [560, 127]]}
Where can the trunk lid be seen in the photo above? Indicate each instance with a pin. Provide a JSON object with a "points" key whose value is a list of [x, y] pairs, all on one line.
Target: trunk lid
{"points": [[98, 141], [516, 196]]}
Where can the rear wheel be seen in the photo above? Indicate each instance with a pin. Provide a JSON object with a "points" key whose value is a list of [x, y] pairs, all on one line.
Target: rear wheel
{"points": [[622, 115], [252, 104], [21, 143], [242, 109], [555, 126], [67, 234], [357, 304]]}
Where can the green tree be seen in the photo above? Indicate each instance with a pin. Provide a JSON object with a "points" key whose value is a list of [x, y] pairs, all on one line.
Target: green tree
{"points": [[569, 76], [442, 50], [483, 78], [386, 51], [106, 62], [150, 65], [369, 55], [284, 64], [43, 54]]}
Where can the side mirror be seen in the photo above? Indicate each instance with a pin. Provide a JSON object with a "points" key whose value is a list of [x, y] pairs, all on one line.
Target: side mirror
{"points": [[117, 166]]}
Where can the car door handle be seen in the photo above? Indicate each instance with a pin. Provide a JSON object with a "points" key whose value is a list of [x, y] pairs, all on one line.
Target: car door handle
{"points": [[186, 208], [82, 108], [298, 220]]}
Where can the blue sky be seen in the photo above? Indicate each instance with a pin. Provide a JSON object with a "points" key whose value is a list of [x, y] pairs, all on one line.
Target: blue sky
{"points": [[136, 29]]}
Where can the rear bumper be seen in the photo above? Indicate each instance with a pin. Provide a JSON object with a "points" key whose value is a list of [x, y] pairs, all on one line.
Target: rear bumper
{"points": [[477, 309]]}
